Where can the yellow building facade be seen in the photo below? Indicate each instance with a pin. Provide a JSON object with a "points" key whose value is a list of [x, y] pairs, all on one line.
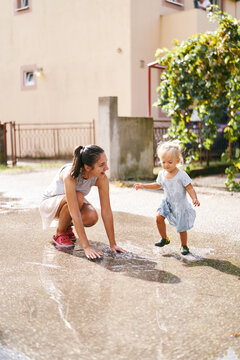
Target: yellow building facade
{"points": [[58, 57]]}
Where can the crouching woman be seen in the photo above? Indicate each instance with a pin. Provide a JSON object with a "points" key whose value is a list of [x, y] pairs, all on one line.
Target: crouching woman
{"points": [[64, 200]]}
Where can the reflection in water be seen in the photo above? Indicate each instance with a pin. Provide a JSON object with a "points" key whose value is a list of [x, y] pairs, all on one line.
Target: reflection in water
{"points": [[55, 293], [50, 287], [222, 265], [8, 204], [128, 263], [231, 355], [10, 354], [83, 306]]}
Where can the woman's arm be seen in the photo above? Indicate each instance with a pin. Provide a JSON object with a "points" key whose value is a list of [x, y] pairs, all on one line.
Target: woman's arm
{"points": [[73, 206], [106, 212], [192, 194], [152, 186]]}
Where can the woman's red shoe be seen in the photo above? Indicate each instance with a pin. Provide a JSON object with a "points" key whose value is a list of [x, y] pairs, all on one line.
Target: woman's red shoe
{"points": [[63, 241]]}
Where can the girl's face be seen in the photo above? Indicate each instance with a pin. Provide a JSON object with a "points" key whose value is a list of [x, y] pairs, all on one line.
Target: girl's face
{"points": [[99, 168], [169, 162]]}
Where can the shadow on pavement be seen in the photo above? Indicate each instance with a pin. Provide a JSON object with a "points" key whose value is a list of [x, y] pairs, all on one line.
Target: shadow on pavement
{"points": [[128, 263], [222, 265]]}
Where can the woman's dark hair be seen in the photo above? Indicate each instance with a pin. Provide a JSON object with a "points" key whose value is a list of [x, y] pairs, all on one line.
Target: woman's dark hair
{"points": [[82, 155]]}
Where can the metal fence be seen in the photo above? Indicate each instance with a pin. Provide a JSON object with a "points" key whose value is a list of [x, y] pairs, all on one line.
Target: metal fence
{"points": [[32, 140], [9, 142], [3, 155], [52, 140], [219, 145]]}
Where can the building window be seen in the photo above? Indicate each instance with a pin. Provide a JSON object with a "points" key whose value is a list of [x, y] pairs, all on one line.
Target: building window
{"points": [[217, 2], [175, 2], [203, 4], [28, 77], [22, 6]]}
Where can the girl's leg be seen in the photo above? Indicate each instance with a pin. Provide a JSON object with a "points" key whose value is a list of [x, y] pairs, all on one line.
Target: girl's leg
{"points": [[183, 238], [160, 220]]}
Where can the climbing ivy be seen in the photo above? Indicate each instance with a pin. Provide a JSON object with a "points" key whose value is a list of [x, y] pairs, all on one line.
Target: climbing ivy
{"points": [[203, 73]]}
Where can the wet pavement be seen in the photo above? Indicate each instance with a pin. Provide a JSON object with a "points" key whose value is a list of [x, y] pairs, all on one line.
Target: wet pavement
{"points": [[149, 303]]}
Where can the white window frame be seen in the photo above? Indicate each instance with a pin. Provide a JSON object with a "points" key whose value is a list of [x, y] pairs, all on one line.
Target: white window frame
{"points": [[22, 6], [175, 2], [28, 77]]}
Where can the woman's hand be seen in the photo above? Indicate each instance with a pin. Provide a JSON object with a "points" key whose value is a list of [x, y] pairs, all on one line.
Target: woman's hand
{"points": [[116, 248], [92, 253]]}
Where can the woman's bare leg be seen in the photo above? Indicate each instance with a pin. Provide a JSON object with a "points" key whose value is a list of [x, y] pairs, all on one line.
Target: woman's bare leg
{"points": [[89, 214], [64, 217]]}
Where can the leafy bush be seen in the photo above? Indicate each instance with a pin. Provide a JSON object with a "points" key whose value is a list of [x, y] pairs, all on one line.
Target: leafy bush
{"points": [[202, 73]]}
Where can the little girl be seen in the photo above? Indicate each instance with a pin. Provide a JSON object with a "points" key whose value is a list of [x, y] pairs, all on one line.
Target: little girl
{"points": [[175, 206]]}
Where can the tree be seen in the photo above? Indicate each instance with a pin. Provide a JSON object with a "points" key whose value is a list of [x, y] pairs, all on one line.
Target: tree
{"points": [[203, 73]]}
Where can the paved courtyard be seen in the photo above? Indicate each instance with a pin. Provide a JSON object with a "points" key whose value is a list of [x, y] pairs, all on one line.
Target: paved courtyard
{"points": [[149, 303]]}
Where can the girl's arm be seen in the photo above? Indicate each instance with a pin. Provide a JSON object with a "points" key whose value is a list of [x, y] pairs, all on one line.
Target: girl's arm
{"points": [[73, 206], [152, 186], [106, 212], [192, 194]]}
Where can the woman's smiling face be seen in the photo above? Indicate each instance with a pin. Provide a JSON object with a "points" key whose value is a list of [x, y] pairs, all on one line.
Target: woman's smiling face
{"points": [[100, 166]]}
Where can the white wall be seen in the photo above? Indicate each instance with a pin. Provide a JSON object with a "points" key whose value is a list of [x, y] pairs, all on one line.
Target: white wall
{"points": [[76, 43]]}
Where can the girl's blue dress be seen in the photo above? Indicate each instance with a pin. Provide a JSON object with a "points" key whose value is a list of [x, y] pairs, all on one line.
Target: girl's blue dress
{"points": [[175, 206]]}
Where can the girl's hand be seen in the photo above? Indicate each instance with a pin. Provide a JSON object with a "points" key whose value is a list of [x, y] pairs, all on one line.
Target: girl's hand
{"points": [[196, 202], [92, 253], [116, 248], [138, 186]]}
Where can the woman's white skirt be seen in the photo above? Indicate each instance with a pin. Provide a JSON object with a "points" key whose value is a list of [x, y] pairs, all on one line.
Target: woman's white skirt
{"points": [[48, 209]]}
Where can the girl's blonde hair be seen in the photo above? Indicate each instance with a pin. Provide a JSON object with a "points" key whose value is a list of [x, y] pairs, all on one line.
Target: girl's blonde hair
{"points": [[172, 147]]}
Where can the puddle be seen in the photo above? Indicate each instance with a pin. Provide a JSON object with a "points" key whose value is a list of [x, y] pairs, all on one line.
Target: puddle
{"points": [[8, 204], [128, 263], [15, 201], [9, 354], [231, 355]]}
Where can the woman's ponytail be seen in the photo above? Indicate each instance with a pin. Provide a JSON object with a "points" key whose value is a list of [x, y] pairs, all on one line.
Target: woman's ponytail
{"points": [[82, 155], [77, 161]]}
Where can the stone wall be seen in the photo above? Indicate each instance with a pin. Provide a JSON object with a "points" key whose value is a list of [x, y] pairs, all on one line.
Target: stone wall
{"points": [[127, 141]]}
